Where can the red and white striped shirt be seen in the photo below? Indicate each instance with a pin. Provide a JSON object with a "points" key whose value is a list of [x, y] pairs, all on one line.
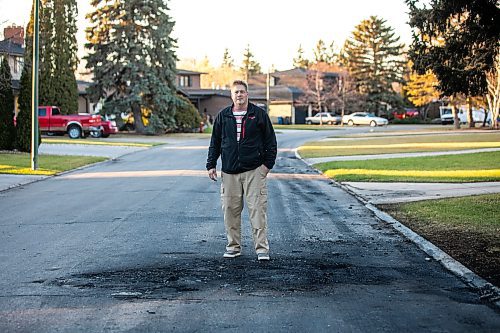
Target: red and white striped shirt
{"points": [[239, 119]]}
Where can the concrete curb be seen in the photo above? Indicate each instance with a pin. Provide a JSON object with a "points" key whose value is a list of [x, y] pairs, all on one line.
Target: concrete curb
{"points": [[487, 291]]}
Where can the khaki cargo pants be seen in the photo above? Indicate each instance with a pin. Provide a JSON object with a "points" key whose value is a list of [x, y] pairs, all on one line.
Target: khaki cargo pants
{"points": [[252, 187]]}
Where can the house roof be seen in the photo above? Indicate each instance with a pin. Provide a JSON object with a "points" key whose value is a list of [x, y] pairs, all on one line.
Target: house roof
{"points": [[203, 93], [7, 46], [186, 72], [280, 93]]}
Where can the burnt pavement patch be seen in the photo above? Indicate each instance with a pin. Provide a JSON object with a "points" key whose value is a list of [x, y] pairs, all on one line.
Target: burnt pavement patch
{"points": [[291, 275]]}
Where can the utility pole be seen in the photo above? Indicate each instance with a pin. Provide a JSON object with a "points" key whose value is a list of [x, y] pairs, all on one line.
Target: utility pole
{"points": [[268, 92], [34, 90], [341, 89]]}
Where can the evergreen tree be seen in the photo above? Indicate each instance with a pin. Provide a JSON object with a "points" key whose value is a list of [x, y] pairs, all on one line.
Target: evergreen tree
{"points": [[300, 61], [46, 53], [374, 59], [132, 57], [23, 127], [249, 66], [227, 60], [63, 85], [320, 52], [7, 130], [457, 40]]}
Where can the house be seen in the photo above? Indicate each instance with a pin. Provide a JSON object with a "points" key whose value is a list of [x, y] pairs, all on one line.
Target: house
{"points": [[283, 105], [208, 102], [286, 93], [12, 48]]}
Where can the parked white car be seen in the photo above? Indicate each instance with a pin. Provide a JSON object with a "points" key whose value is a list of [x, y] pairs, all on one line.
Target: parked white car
{"points": [[364, 118], [324, 118]]}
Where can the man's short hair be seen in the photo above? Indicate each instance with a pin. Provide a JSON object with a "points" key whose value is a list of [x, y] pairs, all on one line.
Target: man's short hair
{"points": [[240, 82]]}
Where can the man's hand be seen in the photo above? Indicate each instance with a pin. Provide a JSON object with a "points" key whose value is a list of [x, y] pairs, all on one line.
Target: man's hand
{"points": [[266, 169], [212, 174]]}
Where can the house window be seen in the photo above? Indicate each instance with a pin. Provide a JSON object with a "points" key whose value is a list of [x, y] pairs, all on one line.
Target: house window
{"points": [[185, 81], [16, 65]]}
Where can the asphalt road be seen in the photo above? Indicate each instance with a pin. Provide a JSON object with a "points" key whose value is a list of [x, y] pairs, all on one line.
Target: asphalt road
{"points": [[136, 245]]}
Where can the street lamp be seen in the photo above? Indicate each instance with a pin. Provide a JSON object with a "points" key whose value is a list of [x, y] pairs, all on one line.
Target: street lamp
{"points": [[34, 89]]}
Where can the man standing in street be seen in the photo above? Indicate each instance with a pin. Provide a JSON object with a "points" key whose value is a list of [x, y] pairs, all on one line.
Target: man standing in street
{"points": [[244, 138]]}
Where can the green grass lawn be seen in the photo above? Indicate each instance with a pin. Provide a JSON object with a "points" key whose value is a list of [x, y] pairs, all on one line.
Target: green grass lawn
{"points": [[446, 168], [467, 228], [399, 144], [20, 164]]}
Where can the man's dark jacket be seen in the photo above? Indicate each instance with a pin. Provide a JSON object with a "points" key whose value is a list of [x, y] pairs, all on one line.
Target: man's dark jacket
{"points": [[257, 143]]}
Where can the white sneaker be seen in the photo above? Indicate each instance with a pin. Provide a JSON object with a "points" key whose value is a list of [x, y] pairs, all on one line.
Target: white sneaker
{"points": [[263, 256], [232, 254]]}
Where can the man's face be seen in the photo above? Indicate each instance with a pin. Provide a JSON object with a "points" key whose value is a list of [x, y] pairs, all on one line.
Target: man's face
{"points": [[239, 95]]}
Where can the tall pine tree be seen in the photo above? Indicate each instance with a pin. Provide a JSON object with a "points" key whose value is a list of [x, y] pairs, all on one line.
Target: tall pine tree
{"points": [[6, 107], [23, 127], [300, 61], [249, 65], [131, 54], [320, 52], [65, 89], [374, 60], [227, 60], [47, 53]]}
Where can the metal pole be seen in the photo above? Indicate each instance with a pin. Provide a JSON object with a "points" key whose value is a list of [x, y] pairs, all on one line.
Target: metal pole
{"points": [[267, 92], [342, 84], [34, 90]]}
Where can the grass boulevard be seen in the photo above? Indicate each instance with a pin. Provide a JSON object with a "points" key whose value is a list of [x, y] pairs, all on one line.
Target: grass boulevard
{"points": [[467, 228]]}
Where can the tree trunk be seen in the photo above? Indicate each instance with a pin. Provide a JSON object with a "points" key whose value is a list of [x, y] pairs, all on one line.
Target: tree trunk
{"points": [[138, 124], [470, 117], [456, 121], [485, 117]]}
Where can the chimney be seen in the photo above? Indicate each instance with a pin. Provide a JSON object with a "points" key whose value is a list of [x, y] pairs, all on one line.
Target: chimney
{"points": [[15, 34]]}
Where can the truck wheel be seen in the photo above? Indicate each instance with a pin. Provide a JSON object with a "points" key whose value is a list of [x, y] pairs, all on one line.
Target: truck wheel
{"points": [[96, 134], [74, 132]]}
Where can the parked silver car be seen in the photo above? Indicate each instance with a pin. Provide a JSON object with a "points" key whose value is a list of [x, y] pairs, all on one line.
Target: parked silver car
{"points": [[324, 118], [364, 118]]}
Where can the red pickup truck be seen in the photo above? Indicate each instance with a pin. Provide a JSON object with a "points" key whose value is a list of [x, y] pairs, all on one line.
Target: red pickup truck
{"points": [[51, 120]]}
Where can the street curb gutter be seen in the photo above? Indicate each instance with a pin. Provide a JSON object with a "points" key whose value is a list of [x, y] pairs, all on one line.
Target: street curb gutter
{"points": [[487, 291]]}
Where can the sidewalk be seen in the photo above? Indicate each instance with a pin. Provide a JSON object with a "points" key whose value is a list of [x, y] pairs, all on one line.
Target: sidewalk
{"points": [[385, 193], [312, 161]]}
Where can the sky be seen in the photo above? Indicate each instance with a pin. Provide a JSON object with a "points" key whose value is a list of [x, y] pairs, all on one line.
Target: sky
{"points": [[274, 29]]}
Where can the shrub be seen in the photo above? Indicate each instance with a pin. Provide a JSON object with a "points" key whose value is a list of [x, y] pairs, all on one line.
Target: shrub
{"points": [[187, 117]]}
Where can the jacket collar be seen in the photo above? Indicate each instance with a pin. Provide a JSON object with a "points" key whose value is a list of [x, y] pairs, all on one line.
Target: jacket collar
{"points": [[228, 112]]}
